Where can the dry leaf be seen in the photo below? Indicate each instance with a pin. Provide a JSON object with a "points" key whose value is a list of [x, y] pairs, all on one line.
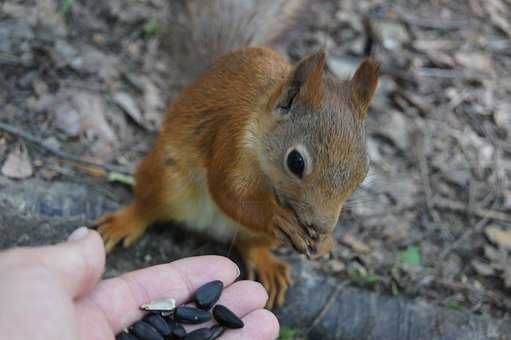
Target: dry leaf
{"points": [[498, 236], [497, 13], [129, 106], [91, 170], [92, 113], [17, 164], [3, 147], [154, 105], [67, 119], [356, 244], [482, 268], [506, 275], [477, 61]]}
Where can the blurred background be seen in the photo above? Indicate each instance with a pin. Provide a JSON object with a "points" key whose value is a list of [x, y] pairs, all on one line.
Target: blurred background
{"points": [[433, 219]]}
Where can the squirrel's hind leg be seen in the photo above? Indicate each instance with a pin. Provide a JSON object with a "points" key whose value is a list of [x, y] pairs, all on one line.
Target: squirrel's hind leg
{"points": [[126, 224], [273, 273]]}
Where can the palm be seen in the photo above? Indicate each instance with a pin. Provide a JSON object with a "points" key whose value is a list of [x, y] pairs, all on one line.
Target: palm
{"points": [[53, 293]]}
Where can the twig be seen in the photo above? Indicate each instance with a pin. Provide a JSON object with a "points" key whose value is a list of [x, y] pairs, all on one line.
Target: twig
{"points": [[430, 23], [61, 154], [325, 308], [448, 74], [425, 172], [469, 232], [492, 296], [481, 212], [370, 35]]}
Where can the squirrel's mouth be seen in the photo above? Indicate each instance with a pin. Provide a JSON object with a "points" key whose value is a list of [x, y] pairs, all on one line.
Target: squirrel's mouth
{"points": [[307, 240]]}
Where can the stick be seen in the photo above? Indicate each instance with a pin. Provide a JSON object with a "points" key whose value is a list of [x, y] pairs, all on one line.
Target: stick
{"points": [[481, 212], [430, 23], [61, 154], [325, 307]]}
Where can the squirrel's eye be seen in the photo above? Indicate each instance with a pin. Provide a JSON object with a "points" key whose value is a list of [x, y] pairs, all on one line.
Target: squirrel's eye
{"points": [[295, 163]]}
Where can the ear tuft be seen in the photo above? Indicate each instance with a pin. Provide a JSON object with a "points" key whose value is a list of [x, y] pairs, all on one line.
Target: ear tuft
{"points": [[308, 76], [363, 85], [311, 66]]}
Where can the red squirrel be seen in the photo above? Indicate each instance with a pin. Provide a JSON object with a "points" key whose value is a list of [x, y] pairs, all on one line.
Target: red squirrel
{"points": [[255, 150]]}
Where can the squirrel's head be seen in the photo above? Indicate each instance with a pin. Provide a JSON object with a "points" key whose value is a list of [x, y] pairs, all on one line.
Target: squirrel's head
{"points": [[314, 145]]}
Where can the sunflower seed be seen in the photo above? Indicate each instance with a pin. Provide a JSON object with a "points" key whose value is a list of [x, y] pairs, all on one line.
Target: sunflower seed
{"points": [[199, 334], [208, 294], [191, 315], [226, 317], [145, 331], [216, 332], [160, 305], [125, 336], [177, 330], [158, 323]]}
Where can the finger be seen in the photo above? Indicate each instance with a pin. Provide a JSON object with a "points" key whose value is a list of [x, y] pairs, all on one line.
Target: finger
{"points": [[241, 298], [260, 324], [76, 265], [118, 299]]}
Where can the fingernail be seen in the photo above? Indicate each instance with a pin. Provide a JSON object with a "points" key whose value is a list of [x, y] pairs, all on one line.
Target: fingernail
{"points": [[238, 273], [78, 234]]}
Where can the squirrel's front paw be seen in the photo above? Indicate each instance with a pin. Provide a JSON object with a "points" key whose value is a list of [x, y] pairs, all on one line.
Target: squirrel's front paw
{"points": [[304, 239], [273, 274]]}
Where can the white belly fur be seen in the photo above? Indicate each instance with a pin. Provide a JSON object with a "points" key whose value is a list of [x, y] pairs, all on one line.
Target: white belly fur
{"points": [[200, 213]]}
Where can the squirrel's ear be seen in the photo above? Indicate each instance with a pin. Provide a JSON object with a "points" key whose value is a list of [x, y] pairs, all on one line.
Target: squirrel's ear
{"points": [[310, 69], [308, 75], [363, 85], [306, 80]]}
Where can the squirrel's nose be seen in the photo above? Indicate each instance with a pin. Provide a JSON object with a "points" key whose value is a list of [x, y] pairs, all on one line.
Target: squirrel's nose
{"points": [[320, 227]]}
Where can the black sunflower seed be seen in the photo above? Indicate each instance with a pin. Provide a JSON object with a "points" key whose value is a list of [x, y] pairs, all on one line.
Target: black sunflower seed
{"points": [[177, 330], [191, 315], [225, 317], [158, 323], [125, 336], [199, 334], [216, 332], [145, 331], [208, 294]]}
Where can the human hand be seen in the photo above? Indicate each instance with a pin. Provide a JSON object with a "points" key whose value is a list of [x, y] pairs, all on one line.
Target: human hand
{"points": [[53, 292]]}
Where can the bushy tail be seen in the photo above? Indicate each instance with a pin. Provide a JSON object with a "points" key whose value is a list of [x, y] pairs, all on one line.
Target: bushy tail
{"points": [[200, 31]]}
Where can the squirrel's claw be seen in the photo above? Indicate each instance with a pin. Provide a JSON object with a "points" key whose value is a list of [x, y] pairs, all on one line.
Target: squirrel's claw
{"points": [[273, 274], [121, 225]]}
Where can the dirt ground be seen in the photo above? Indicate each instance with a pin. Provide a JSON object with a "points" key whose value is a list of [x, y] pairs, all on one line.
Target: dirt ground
{"points": [[433, 219]]}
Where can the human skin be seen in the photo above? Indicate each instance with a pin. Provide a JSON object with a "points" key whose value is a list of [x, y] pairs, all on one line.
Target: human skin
{"points": [[55, 292]]}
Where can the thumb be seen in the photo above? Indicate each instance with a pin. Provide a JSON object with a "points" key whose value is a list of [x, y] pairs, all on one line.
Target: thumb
{"points": [[76, 264]]}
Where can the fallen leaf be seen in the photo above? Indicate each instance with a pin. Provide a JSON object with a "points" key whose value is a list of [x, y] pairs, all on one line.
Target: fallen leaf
{"points": [[17, 164], [121, 178], [3, 147], [506, 275], [396, 127], [411, 256], [48, 174], [67, 119], [497, 13], [476, 60], [336, 266], [491, 253], [128, 105], [91, 170], [154, 104], [499, 236], [393, 34], [482, 268], [94, 125], [356, 244]]}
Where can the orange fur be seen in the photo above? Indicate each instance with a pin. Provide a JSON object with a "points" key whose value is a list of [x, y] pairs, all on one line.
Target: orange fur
{"points": [[209, 157]]}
